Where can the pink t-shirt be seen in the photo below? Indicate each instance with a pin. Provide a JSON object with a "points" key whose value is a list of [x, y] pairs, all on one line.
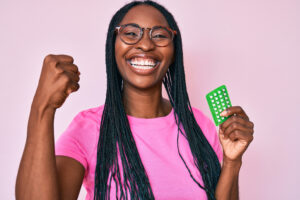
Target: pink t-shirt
{"points": [[156, 141]]}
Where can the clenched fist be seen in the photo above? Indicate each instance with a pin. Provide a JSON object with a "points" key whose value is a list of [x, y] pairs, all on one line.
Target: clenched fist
{"points": [[59, 77]]}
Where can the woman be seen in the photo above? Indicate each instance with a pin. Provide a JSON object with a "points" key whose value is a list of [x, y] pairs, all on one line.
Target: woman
{"points": [[138, 145]]}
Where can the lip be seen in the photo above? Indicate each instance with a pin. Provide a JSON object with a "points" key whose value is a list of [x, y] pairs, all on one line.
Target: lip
{"points": [[150, 56], [143, 72]]}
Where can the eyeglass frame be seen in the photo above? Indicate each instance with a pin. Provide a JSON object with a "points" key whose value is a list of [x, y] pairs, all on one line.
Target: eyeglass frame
{"points": [[173, 32]]}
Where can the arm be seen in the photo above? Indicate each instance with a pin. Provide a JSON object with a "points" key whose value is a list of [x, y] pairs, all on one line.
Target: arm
{"points": [[235, 135], [41, 175], [227, 187], [37, 177]]}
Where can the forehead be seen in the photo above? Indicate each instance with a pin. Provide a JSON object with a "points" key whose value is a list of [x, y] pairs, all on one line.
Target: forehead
{"points": [[144, 16]]}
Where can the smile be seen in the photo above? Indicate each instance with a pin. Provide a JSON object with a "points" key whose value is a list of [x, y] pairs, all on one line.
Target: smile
{"points": [[143, 66], [143, 63]]}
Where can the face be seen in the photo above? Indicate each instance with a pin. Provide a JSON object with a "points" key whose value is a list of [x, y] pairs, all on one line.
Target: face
{"points": [[143, 65]]}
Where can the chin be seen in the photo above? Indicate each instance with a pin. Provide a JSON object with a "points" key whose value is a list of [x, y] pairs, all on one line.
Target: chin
{"points": [[143, 84]]}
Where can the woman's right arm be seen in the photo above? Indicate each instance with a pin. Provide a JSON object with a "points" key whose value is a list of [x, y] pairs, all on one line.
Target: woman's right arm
{"points": [[41, 174]]}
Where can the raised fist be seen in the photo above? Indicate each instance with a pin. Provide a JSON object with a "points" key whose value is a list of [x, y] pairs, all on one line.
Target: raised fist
{"points": [[59, 77]]}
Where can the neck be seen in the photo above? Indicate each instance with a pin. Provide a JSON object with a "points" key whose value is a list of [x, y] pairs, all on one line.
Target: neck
{"points": [[147, 103]]}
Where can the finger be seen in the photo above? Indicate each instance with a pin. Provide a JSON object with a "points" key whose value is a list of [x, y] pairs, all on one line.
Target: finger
{"points": [[72, 76], [68, 67], [64, 59], [240, 135], [67, 80], [238, 119], [234, 110], [236, 126], [72, 87]]}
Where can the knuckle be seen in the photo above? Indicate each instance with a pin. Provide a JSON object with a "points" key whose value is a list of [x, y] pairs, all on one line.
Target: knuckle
{"points": [[74, 87], [70, 57], [49, 58], [65, 78], [77, 78], [67, 58], [77, 86], [75, 68], [58, 70], [235, 118], [234, 125]]}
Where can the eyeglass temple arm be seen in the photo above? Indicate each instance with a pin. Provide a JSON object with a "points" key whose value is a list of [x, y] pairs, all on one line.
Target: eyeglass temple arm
{"points": [[175, 32]]}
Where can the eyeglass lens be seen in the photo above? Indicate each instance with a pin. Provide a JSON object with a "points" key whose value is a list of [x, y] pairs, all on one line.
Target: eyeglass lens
{"points": [[159, 35]]}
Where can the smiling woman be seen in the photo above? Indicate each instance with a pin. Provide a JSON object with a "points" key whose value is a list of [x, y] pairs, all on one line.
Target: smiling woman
{"points": [[138, 145], [144, 48]]}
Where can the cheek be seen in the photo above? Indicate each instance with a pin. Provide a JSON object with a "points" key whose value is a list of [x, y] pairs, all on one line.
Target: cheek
{"points": [[118, 50]]}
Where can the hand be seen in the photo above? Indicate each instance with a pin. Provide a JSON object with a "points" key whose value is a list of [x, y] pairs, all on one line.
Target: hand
{"points": [[235, 134], [59, 77]]}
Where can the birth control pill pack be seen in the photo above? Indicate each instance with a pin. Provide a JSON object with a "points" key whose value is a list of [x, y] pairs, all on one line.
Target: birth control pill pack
{"points": [[218, 100]]}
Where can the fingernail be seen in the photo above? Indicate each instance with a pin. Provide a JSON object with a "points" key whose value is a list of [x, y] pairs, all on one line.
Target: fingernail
{"points": [[224, 113]]}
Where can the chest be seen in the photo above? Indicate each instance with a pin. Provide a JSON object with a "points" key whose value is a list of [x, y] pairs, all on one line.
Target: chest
{"points": [[168, 176]]}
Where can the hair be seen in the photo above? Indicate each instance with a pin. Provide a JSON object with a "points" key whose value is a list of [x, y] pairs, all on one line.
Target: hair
{"points": [[116, 140]]}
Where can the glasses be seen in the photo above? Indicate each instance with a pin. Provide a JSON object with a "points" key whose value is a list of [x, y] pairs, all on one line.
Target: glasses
{"points": [[132, 33]]}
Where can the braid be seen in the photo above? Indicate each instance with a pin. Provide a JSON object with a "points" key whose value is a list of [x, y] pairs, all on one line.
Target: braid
{"points": [[116, 140]]}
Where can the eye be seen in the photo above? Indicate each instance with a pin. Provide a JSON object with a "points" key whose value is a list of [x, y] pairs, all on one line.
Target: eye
{"points": [[159, 36], [130, 34]]}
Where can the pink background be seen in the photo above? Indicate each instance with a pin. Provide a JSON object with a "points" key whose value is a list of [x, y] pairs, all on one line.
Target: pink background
{"points": [[251, 46]]}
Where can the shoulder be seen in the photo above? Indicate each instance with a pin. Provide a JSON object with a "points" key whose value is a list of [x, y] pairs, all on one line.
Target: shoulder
{"points": [[81, 133], [93, 114], [79, 140], [85, 125]]}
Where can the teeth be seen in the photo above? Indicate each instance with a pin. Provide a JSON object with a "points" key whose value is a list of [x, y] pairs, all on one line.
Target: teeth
{"points": [[141, 62], [141, 67]]}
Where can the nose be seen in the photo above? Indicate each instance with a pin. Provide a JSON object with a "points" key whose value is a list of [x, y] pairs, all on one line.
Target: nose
{"points": [[145, 42]]}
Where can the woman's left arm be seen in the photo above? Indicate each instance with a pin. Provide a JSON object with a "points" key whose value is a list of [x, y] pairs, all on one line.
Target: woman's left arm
{"points": [[235, 135]]}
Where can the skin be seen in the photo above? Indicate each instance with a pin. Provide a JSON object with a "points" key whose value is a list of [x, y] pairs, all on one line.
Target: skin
{"points": [[235, 135], [143, 94], [42, 175]]}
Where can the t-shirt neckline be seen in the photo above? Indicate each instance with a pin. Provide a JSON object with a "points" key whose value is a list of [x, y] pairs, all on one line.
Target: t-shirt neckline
{"points": [[158, 122]]}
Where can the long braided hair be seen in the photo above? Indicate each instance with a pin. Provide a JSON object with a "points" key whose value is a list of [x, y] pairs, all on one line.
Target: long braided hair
{"points": [[116, 140]]}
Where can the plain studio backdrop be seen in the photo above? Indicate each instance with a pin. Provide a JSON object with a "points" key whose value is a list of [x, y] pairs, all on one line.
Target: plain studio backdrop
{"points": [[251, 46]]}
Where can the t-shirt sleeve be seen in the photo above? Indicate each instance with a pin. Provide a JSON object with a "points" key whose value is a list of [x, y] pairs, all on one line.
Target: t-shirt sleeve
{"points": [[72, 142], [209, 130]]}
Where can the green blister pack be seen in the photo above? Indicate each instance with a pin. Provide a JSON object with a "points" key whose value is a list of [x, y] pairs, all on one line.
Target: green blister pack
{"points": [[218, 100]]}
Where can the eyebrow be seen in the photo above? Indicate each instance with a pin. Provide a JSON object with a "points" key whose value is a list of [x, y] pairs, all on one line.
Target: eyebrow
{"points": [[136, 25]]}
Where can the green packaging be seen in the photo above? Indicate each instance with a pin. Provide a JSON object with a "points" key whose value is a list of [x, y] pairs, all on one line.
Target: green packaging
{"points": [[218, 100]]}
